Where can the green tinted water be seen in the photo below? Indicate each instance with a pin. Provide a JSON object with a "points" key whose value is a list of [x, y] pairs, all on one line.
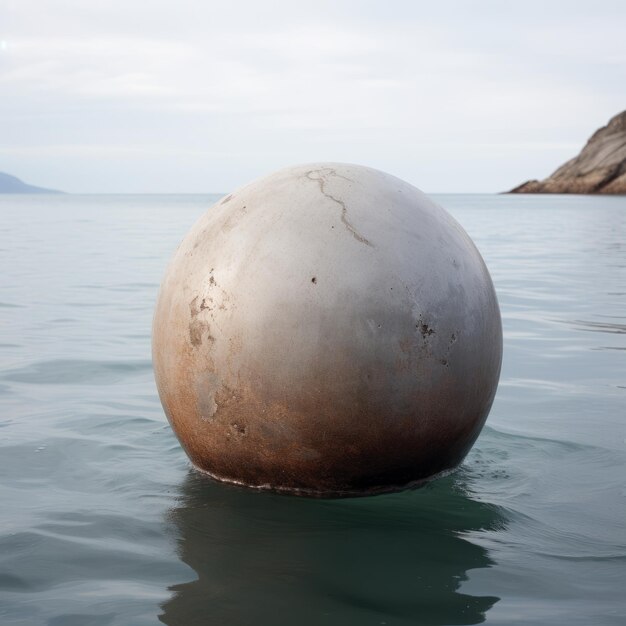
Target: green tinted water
{"points": [[103, 522]]}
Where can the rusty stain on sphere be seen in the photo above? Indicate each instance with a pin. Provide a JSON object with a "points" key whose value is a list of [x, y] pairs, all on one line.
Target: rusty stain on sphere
{"points": [[328, 331]]}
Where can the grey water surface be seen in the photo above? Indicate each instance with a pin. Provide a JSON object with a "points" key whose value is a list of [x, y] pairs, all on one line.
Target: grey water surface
{"points": [[103, 522]]}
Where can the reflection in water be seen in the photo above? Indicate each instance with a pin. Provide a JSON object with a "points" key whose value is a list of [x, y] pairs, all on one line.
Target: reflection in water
{"points": [[267, 559]]}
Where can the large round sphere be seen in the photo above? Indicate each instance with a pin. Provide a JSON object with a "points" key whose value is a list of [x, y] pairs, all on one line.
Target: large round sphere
{"points": [[327, 330]]}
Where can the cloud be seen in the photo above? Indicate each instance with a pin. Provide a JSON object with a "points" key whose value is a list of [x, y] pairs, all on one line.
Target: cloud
{"points": [[397, 85]]}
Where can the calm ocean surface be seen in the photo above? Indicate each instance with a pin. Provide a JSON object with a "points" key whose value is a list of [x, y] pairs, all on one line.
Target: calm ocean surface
{"points": [[103, 522]]}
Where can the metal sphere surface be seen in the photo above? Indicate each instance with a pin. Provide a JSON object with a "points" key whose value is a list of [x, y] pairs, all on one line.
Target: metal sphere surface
{"points": [[328, 331]]}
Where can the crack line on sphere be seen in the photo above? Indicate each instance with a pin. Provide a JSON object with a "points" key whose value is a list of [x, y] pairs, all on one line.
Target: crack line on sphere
{"points": [[321, 181]]}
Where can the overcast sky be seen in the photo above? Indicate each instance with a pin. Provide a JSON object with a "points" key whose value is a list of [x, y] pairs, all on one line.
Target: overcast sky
{"points": [[181, 96]]}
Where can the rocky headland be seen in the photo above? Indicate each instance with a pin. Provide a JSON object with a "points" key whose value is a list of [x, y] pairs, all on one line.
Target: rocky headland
{"points": [[599, 168], [11, 184]]}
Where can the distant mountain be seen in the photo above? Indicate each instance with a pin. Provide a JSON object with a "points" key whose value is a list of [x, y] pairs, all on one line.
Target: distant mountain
{"points": [[10, 184], [599, 168]]}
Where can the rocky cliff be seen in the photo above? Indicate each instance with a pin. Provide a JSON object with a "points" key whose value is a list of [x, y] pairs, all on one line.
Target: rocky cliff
{"points": [[599, 168]]}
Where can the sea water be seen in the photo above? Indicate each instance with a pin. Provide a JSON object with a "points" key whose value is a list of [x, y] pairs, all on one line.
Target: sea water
{"points": [[104, 522]]}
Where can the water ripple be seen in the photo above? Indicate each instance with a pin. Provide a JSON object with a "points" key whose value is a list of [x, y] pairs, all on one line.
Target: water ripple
{"points": [[76, 372]]}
